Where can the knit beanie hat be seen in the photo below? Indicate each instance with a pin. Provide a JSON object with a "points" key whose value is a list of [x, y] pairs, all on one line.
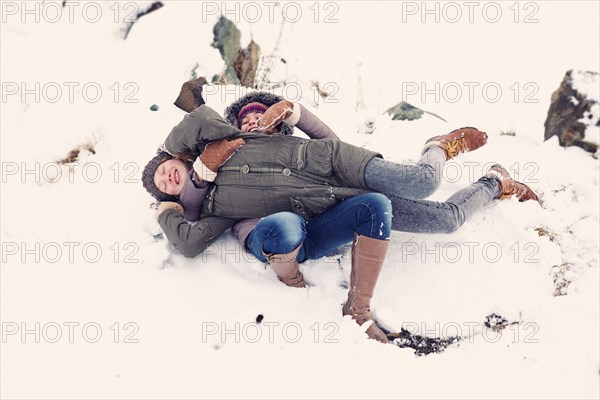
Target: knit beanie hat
{"points": [[250, 108], [148, 176]]}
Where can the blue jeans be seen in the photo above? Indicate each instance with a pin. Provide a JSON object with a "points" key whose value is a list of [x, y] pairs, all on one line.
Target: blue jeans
{"points": [[405, 184], [368, 214], [408, 180]]}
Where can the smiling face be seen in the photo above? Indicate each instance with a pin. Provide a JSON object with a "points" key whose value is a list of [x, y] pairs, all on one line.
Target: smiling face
{"points": [[170, 176], [250, 121]]}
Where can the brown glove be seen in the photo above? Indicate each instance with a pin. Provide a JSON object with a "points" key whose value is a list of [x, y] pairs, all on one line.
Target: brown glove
{"points": [[214, 155], [165, 205], [275, 115]]}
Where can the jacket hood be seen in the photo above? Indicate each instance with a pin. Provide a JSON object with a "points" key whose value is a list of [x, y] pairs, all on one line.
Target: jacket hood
{"points": [[266, 98]]}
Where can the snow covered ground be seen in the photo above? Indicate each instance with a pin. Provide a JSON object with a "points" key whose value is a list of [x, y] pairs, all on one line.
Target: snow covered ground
{"points": [[95, 305]]}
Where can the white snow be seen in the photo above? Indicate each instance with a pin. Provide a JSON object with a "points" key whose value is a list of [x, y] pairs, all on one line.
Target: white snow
{"points": [[587, 84], [80, 260]]}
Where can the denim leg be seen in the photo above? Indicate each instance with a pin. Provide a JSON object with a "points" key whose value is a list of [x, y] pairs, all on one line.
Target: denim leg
{"points": [[368, 214], [278, 233], [408, 180], [423, 216]]}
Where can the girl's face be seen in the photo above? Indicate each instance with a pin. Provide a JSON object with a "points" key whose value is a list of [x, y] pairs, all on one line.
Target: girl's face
{"points": [[250, 121], [170, 176]]}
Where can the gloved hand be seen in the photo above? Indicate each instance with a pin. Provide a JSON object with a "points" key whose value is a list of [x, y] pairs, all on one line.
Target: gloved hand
{"points": [[214, 155], [275, 115], [192, 196], [165, 205]]}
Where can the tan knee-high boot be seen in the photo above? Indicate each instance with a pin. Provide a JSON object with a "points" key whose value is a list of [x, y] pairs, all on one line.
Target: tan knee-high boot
{"points": [[367, 259], [286, 267]]}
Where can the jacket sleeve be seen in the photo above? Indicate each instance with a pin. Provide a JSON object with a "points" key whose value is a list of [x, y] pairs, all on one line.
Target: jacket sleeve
{"points": [[310, 124], [197, 128], [191, 240]]}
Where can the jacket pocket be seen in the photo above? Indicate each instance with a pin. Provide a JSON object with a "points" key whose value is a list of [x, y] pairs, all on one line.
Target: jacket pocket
{"points": [[299, 156], [219, 202], [313, 157]]}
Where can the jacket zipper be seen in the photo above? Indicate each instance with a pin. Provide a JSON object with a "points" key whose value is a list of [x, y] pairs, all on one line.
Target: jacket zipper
{"points": [[301, 160], [211, 200]]}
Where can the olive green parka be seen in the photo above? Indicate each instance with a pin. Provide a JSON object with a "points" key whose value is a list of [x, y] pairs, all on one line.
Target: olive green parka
{"points": [[268, 174]]}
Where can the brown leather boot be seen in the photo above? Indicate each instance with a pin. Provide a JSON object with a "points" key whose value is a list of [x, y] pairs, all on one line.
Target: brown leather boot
{"points": [[458, 141], [510, 187], [367, 259], [286, 267]]}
